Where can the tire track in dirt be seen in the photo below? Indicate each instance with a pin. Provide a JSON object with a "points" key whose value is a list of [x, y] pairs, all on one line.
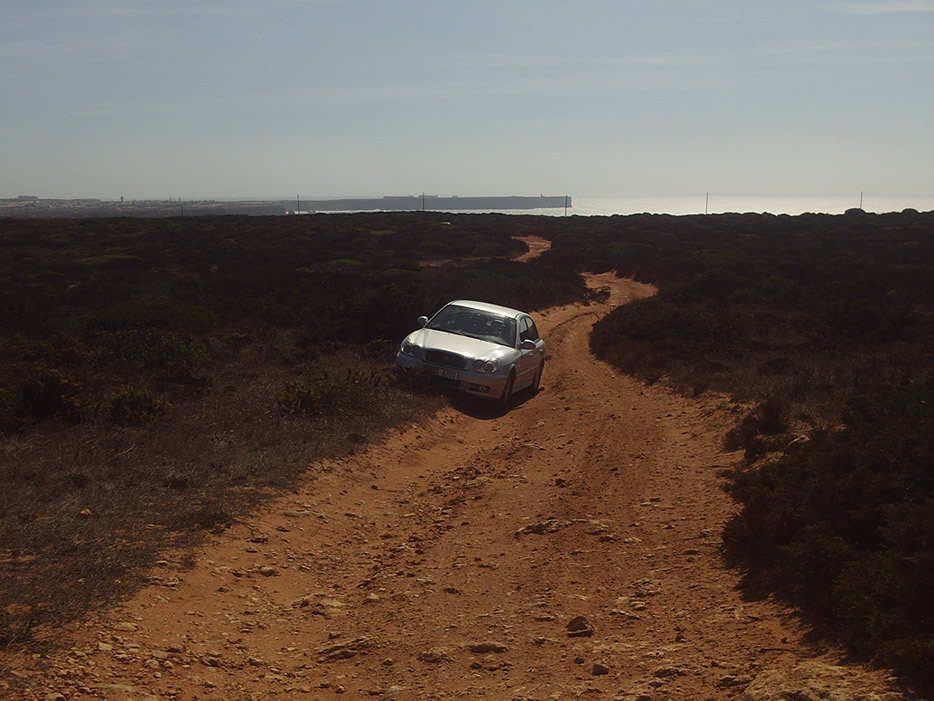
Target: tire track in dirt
{"points": [[565, 549]]}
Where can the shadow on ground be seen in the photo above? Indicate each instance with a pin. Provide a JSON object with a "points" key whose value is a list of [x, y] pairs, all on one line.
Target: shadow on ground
{"points": [[485, 409]]}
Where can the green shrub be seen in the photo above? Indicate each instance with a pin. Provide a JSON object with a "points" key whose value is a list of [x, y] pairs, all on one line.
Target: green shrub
{"points": [[144, 312], [380, 349], [135, 406], [844, 527], [60, 349], [768, 418], [651, 319], [299, 398], [717, 283], [236, 339], [114, 262], [48, 392], [7, 409], [357, 391], [171, 356], [490, 249]]}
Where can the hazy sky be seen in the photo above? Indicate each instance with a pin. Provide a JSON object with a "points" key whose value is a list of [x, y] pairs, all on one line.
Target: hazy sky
{"points": [[320, 98]]}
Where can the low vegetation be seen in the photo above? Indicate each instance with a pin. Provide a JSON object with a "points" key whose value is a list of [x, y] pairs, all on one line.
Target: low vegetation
{"points": [[845, 527], [823, 326], [160, 377]]}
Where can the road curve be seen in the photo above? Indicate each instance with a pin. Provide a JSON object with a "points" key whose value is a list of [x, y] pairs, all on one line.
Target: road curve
{"points": [[565, 549]]}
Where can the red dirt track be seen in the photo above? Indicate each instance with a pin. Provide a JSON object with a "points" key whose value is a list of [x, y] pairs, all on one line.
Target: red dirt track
{"points": [[566, 549]]}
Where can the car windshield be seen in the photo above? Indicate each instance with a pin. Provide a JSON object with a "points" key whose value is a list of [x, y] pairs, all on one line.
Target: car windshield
{"points": [[465, 321]]}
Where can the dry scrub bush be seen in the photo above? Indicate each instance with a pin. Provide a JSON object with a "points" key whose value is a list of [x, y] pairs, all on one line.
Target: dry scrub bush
{"points": [[49, 392], [769, 419], [135, 406], [356, 391]]}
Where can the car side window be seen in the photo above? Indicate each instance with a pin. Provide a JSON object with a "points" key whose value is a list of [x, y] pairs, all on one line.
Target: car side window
{"points": [[527, 330]]}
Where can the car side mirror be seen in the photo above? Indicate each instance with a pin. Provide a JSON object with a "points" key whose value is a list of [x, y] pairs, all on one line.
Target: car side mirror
{"points": [[527, 344], [422, 321]]}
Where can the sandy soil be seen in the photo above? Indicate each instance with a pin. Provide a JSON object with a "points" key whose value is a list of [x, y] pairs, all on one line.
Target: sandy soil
{"points": [[565, 549]]}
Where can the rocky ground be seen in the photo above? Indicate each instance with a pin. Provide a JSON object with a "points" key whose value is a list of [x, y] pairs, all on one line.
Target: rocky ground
{"points": [[566, 549]]}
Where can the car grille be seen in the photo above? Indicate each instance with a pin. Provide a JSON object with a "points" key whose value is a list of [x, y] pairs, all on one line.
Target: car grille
{"points": [[446, 358]]}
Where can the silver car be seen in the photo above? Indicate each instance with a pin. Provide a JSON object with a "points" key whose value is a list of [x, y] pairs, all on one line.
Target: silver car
{"points": [[483, 349]]}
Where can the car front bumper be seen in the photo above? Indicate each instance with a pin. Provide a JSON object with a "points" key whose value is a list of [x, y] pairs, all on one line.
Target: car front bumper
{"points": [[483, 384]]}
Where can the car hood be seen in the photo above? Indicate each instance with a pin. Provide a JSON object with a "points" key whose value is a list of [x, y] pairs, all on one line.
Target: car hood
{"points": [[463, 345]]}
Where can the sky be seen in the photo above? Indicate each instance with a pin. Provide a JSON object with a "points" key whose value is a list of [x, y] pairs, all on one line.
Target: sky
{"points": [[228, 99]]}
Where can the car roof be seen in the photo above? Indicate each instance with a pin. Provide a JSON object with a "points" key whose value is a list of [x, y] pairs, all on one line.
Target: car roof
{"points": [[487, 307]]}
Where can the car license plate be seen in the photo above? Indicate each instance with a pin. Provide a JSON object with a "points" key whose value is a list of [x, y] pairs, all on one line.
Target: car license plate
{"points": [[444, 372]]}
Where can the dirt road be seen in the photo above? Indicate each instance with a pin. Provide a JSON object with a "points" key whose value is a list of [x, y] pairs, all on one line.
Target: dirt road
{"points": [[567, 549]]}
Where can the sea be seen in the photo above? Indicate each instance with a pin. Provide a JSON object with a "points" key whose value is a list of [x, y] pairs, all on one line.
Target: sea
{"points": [[723, 204]]}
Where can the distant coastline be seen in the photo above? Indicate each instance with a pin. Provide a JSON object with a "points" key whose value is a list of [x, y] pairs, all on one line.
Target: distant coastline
{"points": [[26, 206], [675, 205], [410, 203]]}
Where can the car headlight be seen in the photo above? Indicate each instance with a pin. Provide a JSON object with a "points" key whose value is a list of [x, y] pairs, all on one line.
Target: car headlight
{"points": [[410, 349], [481, 365]]}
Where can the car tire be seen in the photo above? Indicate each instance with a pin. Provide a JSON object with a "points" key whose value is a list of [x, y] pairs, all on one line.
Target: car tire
{"points": [[507, 391], [536, 383]]}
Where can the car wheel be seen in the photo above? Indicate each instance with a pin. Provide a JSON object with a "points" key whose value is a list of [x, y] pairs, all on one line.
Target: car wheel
{"points": [[538, 377], [507, 391]]}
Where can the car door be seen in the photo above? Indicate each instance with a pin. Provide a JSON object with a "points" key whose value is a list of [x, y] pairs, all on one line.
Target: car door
{"points": [[530, 359]]}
